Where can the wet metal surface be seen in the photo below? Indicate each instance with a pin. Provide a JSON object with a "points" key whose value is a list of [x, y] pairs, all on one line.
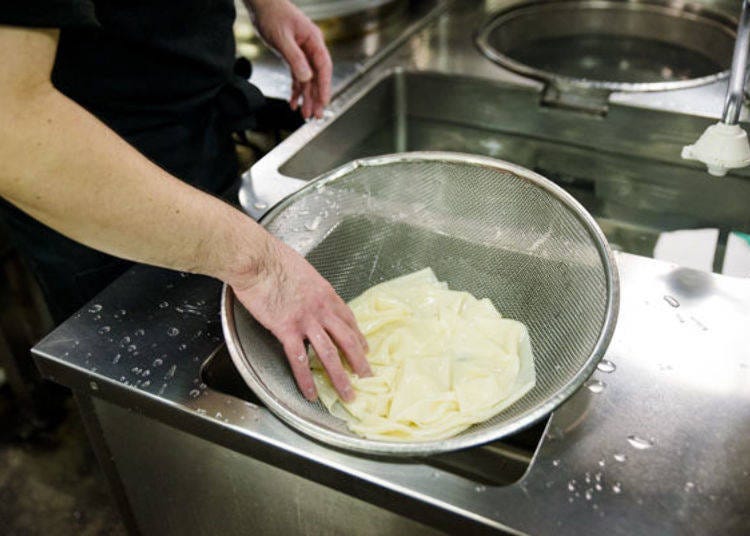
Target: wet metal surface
{"points": [[657, 447]]}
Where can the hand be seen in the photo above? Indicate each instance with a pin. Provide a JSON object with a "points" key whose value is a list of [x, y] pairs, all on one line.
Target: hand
{"points": [[286, 29], [292, 300]]}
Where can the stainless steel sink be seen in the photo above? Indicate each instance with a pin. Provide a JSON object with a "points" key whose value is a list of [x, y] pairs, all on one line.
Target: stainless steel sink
{"points": [[624, 167]]}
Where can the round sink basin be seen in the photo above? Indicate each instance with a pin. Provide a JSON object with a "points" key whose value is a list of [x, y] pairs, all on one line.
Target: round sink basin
{"points": [[610, 44]]}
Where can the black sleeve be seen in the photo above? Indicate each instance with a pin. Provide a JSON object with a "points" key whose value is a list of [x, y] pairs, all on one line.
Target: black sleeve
{"points": [[47, 13]]}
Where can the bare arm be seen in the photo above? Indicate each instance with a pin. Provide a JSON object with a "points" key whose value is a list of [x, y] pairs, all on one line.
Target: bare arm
{"points": [[65, 168]]}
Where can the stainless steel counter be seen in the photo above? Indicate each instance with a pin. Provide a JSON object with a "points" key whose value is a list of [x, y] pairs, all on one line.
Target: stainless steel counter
{"points": [[658, 445], [655, 443]]}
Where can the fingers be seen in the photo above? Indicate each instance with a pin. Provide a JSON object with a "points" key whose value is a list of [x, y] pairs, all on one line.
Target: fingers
{"points": [[294, 348], [296, 94], [295, 57], [318, 57], [343, 311], [307, 101], [350, 343], [323, 67], [329, 356]]}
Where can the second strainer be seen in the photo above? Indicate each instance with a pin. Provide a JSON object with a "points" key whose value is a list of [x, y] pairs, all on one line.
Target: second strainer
{"points": [[485, 226]]}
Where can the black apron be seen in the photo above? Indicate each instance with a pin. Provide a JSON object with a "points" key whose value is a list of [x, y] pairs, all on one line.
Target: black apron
{"points": [[161, 74]]}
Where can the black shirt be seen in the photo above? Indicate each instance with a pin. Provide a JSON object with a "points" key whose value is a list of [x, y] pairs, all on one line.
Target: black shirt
{"points": [[159, 72]]}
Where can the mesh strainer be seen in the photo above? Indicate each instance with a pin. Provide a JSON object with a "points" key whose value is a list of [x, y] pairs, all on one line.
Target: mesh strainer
{"points": [[485, 226]]}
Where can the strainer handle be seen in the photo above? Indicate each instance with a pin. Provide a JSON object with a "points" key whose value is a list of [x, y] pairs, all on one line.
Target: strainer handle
{"points": [[261, 191]]}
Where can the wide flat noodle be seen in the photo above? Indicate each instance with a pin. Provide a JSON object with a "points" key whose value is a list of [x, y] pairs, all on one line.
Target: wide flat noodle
{"points": [[442, 361]]}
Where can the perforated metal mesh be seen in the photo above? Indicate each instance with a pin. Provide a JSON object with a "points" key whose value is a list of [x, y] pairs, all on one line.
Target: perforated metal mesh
{"points": [[484, 226]]}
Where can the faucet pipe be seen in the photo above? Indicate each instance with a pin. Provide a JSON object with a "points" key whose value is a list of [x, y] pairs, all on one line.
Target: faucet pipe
{"points": [[738, 76]]}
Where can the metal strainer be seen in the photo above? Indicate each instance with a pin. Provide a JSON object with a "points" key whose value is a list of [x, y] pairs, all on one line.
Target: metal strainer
{"points": [[485, 226]]}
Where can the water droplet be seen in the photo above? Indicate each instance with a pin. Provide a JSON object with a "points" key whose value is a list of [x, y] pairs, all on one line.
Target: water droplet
{"points": [[598, 487], [95, 308], [194, 393], [606, 366], [435, 474], [313, 225], [201, 411], [595, 386], [479, 488], [601, 463], [116, 359], [146, 383], [572, 485], [556, 463], [125, 340], [157, 362], [588, 478], [146, 373], [94, 386], [588, 494], [170, 372], [140, 332], [104, 330], [689, 486], [616, 487], [163, 388], [598, 477], [259, 205], [219, 415], [122, 312], [671, 300], [570, 499], [97, 318], [173, 332], [202, 385], [640, 443], [182, 347], [163, 305], [132, 348], [621, 458]]}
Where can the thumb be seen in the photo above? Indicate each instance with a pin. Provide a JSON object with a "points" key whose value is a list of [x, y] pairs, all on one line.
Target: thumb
{"points": [[296, 59]]}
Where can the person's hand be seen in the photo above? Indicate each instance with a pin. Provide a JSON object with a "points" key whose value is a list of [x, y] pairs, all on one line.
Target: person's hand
{"points": [[286, 29], [293, 301]]}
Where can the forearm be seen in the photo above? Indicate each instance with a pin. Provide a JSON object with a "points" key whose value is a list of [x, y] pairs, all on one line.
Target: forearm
{"points": [[65, 168]]}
